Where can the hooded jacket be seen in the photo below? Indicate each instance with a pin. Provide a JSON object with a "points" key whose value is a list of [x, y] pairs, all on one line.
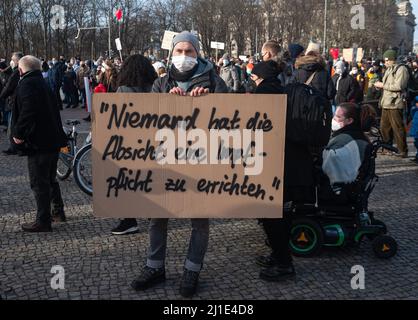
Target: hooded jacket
{"points": [[346, 86], [229, 74], [306, 66]]}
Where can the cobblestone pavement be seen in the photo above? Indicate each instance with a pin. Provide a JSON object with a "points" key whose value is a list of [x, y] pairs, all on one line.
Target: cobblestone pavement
{"points": [[101, 266]]}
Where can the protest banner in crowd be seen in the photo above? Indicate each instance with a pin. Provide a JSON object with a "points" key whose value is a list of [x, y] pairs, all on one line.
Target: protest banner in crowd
{"points": [[166, 156]]}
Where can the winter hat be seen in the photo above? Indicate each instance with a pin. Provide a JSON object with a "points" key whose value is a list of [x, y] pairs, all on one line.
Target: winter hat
{"points": [[390, 55], [266, 70], [295, 50], [313, 47], [187, 36]]}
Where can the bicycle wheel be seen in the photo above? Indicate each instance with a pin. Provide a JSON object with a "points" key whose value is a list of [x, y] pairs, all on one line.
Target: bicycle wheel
{"points": [[65, 161], [82, 170]]}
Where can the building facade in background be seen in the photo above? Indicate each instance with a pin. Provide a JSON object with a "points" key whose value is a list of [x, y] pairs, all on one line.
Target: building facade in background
{"points": [[404, 28]]}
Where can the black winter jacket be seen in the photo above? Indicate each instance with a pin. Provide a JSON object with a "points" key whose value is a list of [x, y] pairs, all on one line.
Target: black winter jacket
{"points": [[36, 118], [306, 66], [298, 165]]}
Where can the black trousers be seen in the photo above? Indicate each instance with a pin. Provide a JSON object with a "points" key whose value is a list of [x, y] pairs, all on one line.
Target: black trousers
{"points": [[44, 184], [278, 230], [278, 235], [58, 97]]}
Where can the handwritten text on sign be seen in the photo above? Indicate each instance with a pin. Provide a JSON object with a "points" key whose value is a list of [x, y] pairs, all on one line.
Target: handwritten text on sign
{"points": [[164, 156]]}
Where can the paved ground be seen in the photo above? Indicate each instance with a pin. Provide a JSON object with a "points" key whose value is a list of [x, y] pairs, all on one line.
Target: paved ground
{"points": [[101, 266]]}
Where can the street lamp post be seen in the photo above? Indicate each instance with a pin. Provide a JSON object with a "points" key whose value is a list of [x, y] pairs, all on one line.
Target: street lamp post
{"points": [[325, 27]]}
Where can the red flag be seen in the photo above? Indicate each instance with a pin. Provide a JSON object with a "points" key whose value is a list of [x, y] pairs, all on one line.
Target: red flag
{"points": [[119, 15]]}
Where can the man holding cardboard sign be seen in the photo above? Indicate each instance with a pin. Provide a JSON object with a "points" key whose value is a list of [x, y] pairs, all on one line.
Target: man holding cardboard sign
{"points": [[189, 75]]}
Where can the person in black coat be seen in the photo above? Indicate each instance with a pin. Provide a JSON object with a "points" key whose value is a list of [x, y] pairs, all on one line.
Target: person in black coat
{"points": [[8, 94], [347, 88], [37, 132], [312, 63], [298, 186]]}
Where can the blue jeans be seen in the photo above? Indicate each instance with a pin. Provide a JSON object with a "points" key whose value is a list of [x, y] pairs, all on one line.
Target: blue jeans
{"points": [[198, 244]]}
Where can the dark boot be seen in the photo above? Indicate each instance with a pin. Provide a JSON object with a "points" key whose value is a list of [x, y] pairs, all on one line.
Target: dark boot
{"points": [[36, 227], [265, 261], [278, 273], [148, 278], [188, 286]]}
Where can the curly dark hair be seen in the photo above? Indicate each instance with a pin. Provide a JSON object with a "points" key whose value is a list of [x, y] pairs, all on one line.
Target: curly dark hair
{"points": [[137, 71]]}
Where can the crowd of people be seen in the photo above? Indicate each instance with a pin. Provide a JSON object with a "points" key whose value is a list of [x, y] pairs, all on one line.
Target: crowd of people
{"points": [[30, 101]]}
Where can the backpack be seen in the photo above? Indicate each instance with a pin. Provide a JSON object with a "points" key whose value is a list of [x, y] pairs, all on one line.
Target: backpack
{"points": [[309, 116], [411, 82]]}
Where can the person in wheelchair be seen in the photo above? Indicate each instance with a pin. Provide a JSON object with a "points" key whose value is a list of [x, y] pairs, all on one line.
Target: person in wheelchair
{"points": [[346, 159]]}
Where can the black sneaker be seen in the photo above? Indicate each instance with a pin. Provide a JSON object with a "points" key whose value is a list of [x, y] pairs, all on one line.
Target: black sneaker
{"points": [[278, 273], [265, 261], [188, 284], [125, 227], [148, 278]]}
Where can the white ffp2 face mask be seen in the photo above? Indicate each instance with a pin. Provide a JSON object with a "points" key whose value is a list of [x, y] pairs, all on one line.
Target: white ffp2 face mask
{"points": [[336, 125], [184, 63]]}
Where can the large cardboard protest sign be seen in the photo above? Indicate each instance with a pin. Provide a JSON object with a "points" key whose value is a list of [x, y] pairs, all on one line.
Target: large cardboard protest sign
{"points": [[167, 156]]}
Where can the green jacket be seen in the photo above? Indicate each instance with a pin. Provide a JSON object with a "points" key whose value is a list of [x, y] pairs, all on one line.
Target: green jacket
{"points": [[395, 84]]}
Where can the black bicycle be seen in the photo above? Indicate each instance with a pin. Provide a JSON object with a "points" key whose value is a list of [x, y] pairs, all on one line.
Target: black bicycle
{"points": [[77, 161]]}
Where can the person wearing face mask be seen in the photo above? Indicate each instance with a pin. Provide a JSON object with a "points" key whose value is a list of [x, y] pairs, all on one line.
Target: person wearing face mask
{"points": [[344, 84], [189, 74], [359, 83], [229, 74], [193, 76], [9, 94], [278, 266], [37, 131], [349, 148]]}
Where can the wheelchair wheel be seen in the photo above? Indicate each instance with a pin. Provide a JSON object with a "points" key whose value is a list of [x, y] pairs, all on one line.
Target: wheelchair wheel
{"points": [[306, 238], [376, 222], [385, 247]]}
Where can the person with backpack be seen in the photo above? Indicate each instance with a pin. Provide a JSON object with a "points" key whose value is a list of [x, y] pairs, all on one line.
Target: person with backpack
{"points": [[393, 102], [189, 75], [311, 70], [299, 162]]}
